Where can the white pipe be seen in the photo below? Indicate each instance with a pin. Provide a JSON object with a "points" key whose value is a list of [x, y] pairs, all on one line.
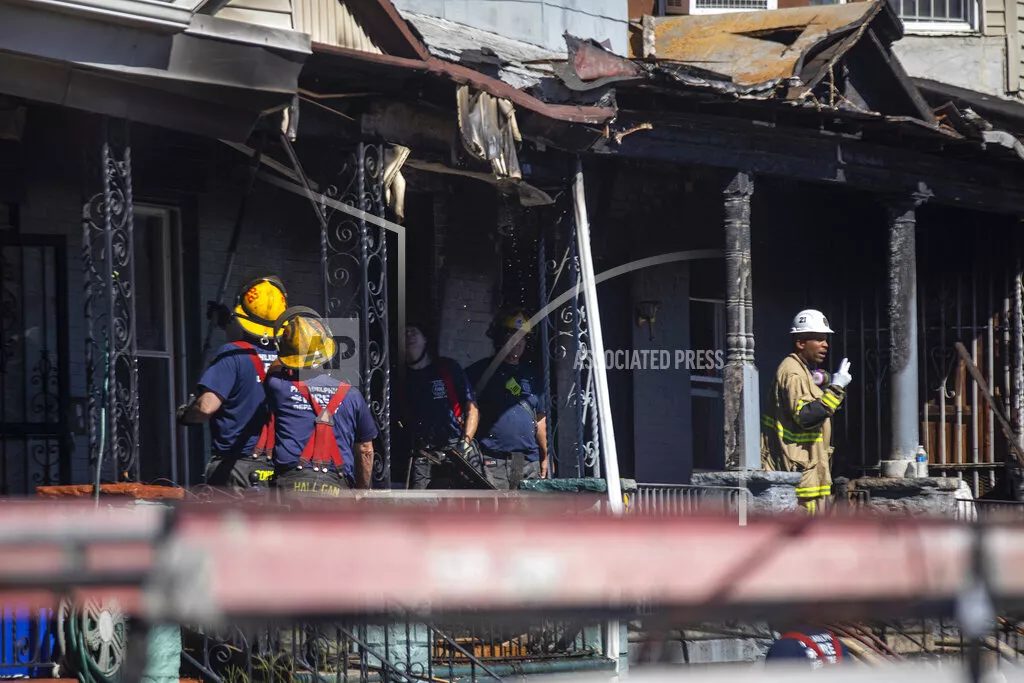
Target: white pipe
{"points": [[612, 635], [604, 410]]}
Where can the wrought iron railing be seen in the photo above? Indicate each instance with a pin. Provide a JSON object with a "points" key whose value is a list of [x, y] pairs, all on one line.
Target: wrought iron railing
{"points": [[339, 652], [402, 652], [686, 499], [27, 642], [518, 643]]}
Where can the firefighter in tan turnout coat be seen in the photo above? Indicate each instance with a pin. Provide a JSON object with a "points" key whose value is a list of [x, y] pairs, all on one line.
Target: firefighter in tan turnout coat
{"points": [[796, 431]]}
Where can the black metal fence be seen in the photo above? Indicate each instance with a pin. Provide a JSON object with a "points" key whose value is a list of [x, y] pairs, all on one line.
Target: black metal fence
{"points": [[401, 652], [28, 642]]}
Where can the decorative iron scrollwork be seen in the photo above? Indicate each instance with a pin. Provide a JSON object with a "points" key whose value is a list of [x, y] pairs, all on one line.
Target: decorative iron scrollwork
{"points": [[355, 265], [568, 341], [111, 359]]}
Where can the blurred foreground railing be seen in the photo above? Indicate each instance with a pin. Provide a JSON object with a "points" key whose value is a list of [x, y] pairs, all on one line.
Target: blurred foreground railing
{"points": [[382, 592]]}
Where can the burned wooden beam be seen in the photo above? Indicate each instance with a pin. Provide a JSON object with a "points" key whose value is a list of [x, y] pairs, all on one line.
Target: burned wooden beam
{"points": [[816, 156], [1012, 438]]}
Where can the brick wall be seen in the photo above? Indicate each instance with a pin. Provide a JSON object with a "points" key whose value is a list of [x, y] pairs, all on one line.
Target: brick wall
{"points": [[465, 221]]}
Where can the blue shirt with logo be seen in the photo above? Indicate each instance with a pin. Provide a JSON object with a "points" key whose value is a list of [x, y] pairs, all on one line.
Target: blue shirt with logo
{"points": [[294, 418], [509, 404], [428, 409], [235, 428]]}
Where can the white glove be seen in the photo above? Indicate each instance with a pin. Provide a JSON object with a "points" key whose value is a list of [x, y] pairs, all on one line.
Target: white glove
{"points": [[842, 376]]}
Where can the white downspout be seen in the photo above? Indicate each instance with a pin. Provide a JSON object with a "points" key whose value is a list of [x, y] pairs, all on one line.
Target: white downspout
{"points": [[609, 456]]}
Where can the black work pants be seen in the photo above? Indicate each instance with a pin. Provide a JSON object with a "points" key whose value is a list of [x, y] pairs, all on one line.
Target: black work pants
{"points": [[238, 473], [507, 470]]}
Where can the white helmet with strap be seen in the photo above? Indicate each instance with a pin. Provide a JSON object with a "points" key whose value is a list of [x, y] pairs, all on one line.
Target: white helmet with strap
{"points": [[810, 321]]}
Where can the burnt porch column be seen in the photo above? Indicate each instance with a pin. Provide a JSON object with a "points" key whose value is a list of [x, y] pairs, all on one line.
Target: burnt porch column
{"points": [[740, 392], [903, 355]]}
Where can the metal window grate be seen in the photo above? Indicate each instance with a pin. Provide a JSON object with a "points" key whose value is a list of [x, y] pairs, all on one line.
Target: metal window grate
{"points": [[732, 4], [934, 10]]}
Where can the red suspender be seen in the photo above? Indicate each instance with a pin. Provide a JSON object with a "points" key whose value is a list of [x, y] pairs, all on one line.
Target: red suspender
{"points": [[322, 448], [449, 386], [265, 445], [807, 641], [257, 362]]}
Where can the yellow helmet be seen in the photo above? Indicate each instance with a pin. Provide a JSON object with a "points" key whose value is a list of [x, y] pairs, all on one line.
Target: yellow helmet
{"points": [[303, 339], [259, 304], [515, 321]]}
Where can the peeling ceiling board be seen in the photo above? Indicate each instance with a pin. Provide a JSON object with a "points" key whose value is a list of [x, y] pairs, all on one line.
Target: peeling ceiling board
{"points": [[519, 64]]}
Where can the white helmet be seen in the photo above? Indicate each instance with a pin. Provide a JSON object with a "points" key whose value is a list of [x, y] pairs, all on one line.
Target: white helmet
{"points": [[811, 321]]}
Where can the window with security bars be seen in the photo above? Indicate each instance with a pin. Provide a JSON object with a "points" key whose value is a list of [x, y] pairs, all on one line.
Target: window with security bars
{"points": [[936, 12], [731, 4], [716, 6]]}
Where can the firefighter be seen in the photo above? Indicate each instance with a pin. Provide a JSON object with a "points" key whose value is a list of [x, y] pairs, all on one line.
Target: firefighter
{"points": [[230, 395], [440, 412], [512, 408], [796, 432], [324, 430]]}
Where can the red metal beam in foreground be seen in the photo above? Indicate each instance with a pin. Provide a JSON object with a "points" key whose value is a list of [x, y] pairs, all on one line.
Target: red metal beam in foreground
{"points": [[361, 559]]}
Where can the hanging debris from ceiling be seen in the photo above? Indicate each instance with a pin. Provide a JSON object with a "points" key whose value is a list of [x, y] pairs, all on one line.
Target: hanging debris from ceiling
{"points": [[489, 131], [395, 157]]}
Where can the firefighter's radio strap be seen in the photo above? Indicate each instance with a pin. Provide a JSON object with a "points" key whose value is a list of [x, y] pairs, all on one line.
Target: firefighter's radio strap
{"points": [[322, 451], [809, 643], [265, 444]]}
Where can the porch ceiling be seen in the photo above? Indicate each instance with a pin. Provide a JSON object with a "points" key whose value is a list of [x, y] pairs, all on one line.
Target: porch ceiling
{"points": [[214, 78]]}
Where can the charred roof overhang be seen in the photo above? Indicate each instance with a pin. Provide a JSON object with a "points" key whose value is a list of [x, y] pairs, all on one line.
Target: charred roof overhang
{"points": [[1000, 112], [958, 172], [569, 127], [750, 48], [215, 77]]}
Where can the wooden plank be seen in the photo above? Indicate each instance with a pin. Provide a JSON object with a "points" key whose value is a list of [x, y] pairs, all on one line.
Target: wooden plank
{"points": [[992, 12], [280, 6], [1011, 437], [1013, 39], [270, 19], [640, 8]]}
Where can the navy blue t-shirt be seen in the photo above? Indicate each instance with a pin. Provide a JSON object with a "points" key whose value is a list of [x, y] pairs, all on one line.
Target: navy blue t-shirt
{"points": [[793, 649], [509, 404], [294, 418], [232, 375], [428, 408]]}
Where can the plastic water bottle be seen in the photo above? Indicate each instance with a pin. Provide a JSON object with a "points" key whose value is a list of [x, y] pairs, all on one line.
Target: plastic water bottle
{"points": [[922, 462]]}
